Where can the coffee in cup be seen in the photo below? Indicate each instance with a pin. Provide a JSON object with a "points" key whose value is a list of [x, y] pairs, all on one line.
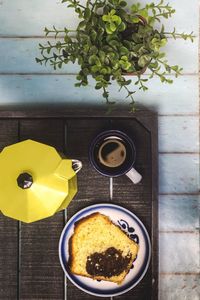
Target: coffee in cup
{"points": [[112, 152]]}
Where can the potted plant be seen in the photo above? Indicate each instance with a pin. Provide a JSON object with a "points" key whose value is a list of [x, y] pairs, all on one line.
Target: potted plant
{"points": [[112, 41]]}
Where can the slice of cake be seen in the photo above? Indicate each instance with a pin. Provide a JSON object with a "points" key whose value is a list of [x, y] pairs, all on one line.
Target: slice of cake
{"points": [[100, 250]]}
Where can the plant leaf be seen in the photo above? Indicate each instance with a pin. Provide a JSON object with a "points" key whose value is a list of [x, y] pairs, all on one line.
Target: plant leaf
{"points": [[116, 19], [87, 13], [105, 18], [108, 30], [122, 3], [135, 19], [94, 69], [112, 26], [122, 26], [112, 12]]}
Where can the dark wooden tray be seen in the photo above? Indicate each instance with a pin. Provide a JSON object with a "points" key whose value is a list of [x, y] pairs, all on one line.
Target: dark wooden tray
{"points": [[29, 261]]}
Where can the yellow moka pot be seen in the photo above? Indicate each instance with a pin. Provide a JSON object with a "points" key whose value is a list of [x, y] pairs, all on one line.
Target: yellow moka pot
{"points": [[35, 182]]}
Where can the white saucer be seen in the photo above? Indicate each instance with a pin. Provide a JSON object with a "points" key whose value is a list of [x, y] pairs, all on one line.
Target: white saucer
{"points": [[128, 222]]}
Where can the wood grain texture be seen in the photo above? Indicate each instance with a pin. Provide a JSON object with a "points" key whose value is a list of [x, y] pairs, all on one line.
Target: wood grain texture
{"points": [[179, 173], [59, 89], [179, 134], [65, 111], [125, 192], [28, 18], [23, 18], [8, 258], [41, 276], [173, 287], [179, 252], [79, 136], [141, 199], [178, 213], [39, 260], [8, 228], [86, 130], [21, 53]]}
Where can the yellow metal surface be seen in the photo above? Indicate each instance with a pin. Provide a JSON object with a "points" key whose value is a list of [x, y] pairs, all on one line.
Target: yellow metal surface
{"points": [[54, 181], [72, 192]]}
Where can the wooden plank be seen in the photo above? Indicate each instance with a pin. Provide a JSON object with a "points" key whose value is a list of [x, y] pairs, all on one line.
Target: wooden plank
{"points": [[64, 111], [179, 134], [21, 53], [178, 213], [141, 199], [60, 90], [179, 173], [8, 258], [179, 252], [79, 135], [177, 54], [185, 286], [22, 18], [182, 10], [124, 189], [8, 228], [41, 274], [50, 13]]}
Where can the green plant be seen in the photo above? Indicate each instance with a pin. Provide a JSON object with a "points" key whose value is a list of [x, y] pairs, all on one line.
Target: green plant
{"points": [[112, 41]]}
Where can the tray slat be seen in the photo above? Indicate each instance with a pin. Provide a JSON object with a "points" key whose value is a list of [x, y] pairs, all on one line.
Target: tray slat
{"points": [[8, 228], [41, 276], [93, 188]]}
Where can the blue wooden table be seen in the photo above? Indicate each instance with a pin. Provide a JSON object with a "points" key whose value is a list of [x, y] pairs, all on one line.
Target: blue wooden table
{"points": [[24, 81]]}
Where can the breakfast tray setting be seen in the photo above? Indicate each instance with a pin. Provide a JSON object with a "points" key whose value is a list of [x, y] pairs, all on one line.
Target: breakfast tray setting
{"points": [[29, 259]]}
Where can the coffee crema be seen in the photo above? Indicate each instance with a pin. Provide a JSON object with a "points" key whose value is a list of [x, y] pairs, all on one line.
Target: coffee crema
{"points": [[112, 153]]}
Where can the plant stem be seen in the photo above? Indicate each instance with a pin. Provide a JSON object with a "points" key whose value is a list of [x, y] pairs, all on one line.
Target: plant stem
{"points": [[161, 15], [179, 34], [54, 46], [92, 4], [129, 95], [105, 93], [61, 31], [81, 6], [57, 62], [77, 4], [52, 57], [162, 62]]}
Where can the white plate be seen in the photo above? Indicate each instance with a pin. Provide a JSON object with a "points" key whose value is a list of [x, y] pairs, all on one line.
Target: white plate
{"points": [[133, 227]]}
